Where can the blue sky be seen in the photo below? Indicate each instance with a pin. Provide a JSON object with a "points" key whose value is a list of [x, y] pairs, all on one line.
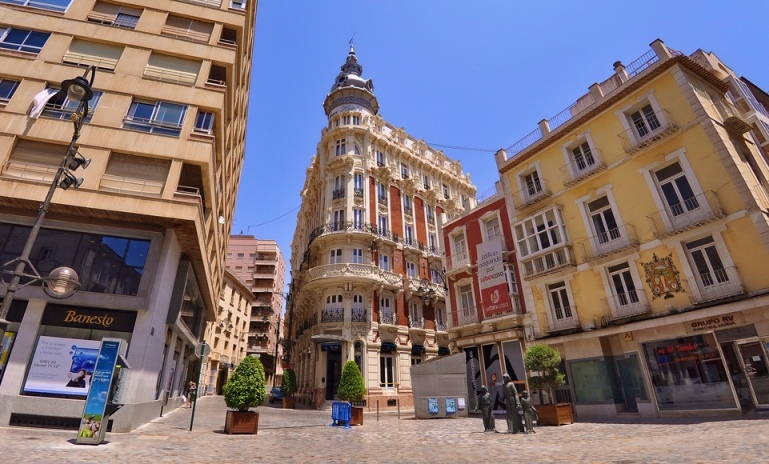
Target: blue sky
{"points": [[476, 74]]}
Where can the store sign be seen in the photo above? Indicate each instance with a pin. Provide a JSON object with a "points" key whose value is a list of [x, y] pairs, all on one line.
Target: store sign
{"points": [[89, 318], [90, 431], [333, 347], [491, 277], [712, 323], [62, 366]]}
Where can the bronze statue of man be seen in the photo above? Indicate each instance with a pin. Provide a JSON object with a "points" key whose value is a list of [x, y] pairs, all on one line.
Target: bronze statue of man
{"points": [[529, 412], [484, 403], [512, 405]]}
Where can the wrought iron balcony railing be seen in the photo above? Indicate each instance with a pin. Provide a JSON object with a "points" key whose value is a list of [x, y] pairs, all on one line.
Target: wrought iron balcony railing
{"points": [[608, 242], [717, 284], [688, 214], [629, 304], [332, 315]]}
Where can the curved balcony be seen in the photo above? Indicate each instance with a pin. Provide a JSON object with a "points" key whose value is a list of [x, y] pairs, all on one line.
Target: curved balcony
{"points": [[417, 323], [423, 287], [359, 315], [352, 270], [388, 318]]}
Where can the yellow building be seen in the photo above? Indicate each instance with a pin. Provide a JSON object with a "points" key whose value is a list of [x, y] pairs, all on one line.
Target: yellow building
{"points": [[147, 227], [227, 335], [640, 229]]}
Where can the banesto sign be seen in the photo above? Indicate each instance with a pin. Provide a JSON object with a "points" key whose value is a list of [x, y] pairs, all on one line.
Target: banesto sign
{"points": [[89, 318]]}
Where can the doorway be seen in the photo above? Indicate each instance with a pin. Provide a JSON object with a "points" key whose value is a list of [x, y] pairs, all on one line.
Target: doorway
{"points": [[333, 372], [748, 368], [630, 382], [221, 379]]}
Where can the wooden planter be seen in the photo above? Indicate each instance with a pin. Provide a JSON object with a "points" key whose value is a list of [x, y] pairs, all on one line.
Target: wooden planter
{"points": [[241, 422], [554, 414], [357, 415], [289, 402]]}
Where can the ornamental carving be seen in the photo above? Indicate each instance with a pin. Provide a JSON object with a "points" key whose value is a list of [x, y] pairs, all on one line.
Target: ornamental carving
{"points": [[343, 161], [410, 185], [662, 277], [383, 173]]}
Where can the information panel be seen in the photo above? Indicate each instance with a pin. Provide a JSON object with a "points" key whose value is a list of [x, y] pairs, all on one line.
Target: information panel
{"points": [[96, 403]]}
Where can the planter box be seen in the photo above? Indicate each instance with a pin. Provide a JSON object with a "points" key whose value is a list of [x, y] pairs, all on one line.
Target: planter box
{"points": [[357, 415], [289, 402], [241, 422], [554, 414]]}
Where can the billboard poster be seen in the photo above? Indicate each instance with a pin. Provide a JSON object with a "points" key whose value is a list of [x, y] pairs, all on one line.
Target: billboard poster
{"points": [[5, 350], [474, 380], [491, 278], [514, 360], [62, 366], [493, 375], [96, 403]]}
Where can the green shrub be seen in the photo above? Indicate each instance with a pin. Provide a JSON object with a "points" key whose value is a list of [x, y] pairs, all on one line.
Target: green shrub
{"points": [[246, 388], [288, 382], [545, 362], [351, 386]]}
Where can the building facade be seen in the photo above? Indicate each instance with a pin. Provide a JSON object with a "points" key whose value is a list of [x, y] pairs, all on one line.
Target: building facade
{"points": [[147, 229], [366, 259], [227, 335], [487, 316], [638, 216], [261, 266]]}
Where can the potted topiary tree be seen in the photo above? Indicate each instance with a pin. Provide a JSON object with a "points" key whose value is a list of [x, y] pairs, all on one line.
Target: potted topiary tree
{"points": [[352, 388], [288, 387], [543, 364], [246, 389]]}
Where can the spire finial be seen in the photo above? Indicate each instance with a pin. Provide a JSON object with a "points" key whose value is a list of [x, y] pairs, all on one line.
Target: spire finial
{"points": [[352, 43]]}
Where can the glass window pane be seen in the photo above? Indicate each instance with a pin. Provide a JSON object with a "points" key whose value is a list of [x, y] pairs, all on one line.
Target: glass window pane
{"points": [[170, 113]]}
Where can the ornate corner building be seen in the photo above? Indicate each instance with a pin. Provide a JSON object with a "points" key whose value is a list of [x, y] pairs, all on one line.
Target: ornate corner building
{"points": [[147, 228], [367, 273]]}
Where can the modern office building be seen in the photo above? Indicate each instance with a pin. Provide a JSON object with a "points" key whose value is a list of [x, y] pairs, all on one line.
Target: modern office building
{"points": [[639, 220], [487, 316], [227, 335], [366, 259], [147, 229], [260, 264]]}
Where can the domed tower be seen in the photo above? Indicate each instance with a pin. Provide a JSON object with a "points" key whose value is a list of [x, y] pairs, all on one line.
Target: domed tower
{"points": [[367, 281], [350, 91]]}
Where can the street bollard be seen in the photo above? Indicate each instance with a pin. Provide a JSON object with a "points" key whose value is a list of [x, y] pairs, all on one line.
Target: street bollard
{"points": [[399, 408], [377, 410]]}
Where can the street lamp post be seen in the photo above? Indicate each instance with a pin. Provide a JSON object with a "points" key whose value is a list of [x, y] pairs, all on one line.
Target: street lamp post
{"points": [[62, 282]]}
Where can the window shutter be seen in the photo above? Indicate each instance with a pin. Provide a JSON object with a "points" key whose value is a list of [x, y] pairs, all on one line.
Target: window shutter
{"points": [[35, 160], [93, 54], [130, 173], [177, 26], [172, 69]]}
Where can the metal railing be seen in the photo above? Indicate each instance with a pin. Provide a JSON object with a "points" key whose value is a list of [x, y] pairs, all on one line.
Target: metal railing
{"points": [[524, 143], [641, 63], [358, 192], [388, 318], [548, 262], [690, 213], [456, 261], [564, 323], [717, 284], [126, 185], [467, 316], [646, 131], [608, 242], [416, 322], [532, 193], [332, 315], [337, 194], [359, 315], [382, 201], [573, 172], [440, 326], [624, 305], [732, 117], [408, 211]]}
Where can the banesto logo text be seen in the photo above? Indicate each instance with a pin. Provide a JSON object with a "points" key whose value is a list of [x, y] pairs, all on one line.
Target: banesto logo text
{"points": [[73, 316]]}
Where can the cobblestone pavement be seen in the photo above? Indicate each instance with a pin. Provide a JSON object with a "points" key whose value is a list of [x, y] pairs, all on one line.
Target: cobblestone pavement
{"points": [[303, 436]]}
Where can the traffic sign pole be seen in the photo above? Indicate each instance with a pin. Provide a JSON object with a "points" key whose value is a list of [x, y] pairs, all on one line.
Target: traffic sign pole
{"points": [[202, 351]]}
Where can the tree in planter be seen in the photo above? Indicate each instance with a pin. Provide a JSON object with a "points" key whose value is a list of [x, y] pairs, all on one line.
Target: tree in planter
{"points": [[246, 388], [288, 387], [545, 362], [351, 386]]}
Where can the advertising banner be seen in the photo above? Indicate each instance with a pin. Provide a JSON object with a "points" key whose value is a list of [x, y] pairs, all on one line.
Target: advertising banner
{"points": [[62, 366], [96, 403], [514, 360], [491, 278], [5, 350]]}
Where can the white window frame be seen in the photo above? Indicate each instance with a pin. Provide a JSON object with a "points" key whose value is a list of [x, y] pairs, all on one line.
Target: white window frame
{"points": [[611, 290], [689, 268], [408, 235], [484, 223], [552, 310], [534, 236], [458, 243], [380, 158], [387, 368], [357, 255], [337, 219], [573, 164], [385, 262], [335, 256], [643, 100], [357, 218], [383, 224], [415, 309], [411, 269], [404, 171]]}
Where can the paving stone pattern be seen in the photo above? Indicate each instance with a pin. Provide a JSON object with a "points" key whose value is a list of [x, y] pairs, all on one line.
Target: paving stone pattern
{"points": [[303, 436]]}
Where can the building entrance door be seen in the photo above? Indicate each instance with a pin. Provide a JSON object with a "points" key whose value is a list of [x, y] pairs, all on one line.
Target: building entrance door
{"points": [[333, 372], [627, 369], [756, 370], [737, 374]]}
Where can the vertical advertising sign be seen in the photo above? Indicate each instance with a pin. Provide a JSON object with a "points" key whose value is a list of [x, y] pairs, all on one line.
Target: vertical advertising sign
{"points": [[90, 432], [5, 350], [491, 278], [494, 383], [474, 381]]}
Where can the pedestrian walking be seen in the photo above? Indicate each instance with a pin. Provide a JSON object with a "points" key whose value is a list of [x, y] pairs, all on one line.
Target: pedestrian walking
{"points": [[191, 393]]}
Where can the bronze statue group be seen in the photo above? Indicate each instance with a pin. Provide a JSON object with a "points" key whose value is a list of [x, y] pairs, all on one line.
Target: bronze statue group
{"points": [[512, 405]]}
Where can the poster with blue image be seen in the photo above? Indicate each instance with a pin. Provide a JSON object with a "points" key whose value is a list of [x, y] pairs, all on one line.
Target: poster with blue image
{"points": [[62, 366], [96, 402], [451, 406], [432, 405]]}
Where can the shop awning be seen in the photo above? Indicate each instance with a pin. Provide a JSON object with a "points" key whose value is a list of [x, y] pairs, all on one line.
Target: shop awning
{"points": [[417, 350], [327, 338], [443, 351], [388, 347]]}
